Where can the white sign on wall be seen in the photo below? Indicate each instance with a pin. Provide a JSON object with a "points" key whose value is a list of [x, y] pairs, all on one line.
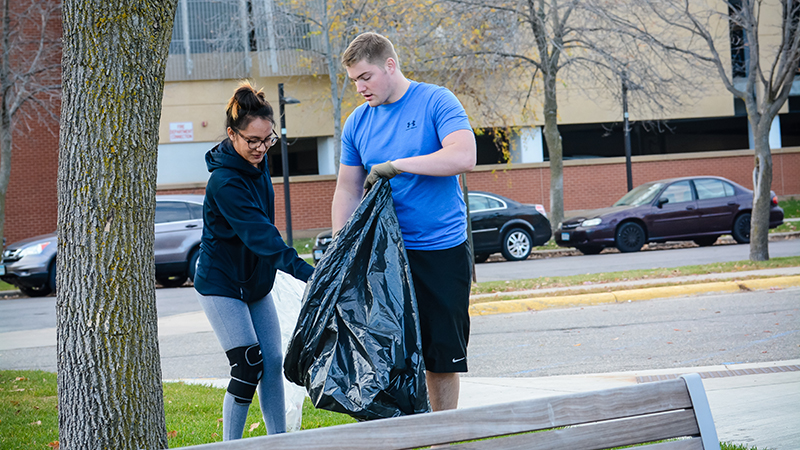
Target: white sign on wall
{"points": [[181, 132]]}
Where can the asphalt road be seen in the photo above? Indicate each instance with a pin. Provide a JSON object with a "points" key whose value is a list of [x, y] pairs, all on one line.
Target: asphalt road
{"points": [[33, 313], [615, 262], [705, 330], [747, 327]]}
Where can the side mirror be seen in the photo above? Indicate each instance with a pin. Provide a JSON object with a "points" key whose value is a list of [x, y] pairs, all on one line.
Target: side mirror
{"points": [[662, 201]]}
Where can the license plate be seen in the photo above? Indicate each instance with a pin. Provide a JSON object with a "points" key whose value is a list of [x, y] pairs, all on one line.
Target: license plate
{"points": [[564, 236], [2, 270], [317, 254]]}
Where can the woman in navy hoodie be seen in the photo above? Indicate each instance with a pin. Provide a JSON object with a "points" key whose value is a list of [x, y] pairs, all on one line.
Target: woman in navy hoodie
{"points": [[239, 254]]}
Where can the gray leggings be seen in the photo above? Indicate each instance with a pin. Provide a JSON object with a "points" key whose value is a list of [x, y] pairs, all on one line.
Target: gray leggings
{"points": [[239, 324]]}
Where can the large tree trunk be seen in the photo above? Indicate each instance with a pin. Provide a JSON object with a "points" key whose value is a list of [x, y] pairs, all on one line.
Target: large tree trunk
{"points": [[762, 181], [553, 139], [109, 373]]}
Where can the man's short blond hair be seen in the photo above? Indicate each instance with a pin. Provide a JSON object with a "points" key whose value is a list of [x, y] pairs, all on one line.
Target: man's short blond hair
{"points": [[370, 47]]}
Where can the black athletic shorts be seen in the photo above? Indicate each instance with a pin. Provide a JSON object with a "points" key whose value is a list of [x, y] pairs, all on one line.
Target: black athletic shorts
{"points": [[442, 281]]}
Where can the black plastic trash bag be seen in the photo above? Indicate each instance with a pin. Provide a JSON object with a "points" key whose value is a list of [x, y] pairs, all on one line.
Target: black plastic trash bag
{"points": [[356, 347]]}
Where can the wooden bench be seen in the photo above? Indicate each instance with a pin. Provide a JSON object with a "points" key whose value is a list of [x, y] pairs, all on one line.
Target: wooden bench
{"points": [[638, 414]]}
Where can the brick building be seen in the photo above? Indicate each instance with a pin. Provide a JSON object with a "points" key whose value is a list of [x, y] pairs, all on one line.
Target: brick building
{"points": [[708, 138]]}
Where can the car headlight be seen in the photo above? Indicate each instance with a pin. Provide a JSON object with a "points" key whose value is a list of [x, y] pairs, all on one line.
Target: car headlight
{"points": [[592, 222], [35, 249]]}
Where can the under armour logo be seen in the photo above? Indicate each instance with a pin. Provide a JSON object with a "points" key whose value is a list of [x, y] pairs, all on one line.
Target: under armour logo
{"points": [[411, 125]]}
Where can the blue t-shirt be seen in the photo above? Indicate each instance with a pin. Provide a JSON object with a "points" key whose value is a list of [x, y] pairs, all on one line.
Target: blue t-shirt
{"points": [[431, 210]]}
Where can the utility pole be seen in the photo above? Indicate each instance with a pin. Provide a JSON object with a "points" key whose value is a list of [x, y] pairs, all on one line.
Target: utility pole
{"points": [[626, 130], [285, 162]]}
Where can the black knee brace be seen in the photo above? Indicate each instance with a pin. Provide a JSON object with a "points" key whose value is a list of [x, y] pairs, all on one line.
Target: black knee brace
{"points": [[246, 370]]}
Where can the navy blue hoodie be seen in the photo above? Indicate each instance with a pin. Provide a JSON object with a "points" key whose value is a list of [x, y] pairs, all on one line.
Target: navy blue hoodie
{"points": [[241, 249]]}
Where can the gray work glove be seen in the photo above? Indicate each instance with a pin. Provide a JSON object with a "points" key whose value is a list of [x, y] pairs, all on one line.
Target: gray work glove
{"points": [[383, 170]]}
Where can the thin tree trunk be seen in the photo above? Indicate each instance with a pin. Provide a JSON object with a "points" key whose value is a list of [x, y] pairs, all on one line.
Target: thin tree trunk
{"points": [[553, 139], [762, 181], [109, 373], [336, 99], [5, 165], [5, 119]]}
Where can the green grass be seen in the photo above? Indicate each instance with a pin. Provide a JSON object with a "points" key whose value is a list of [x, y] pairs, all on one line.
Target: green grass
{"points": [[29, 414], [491, 287], [786, 227], [791, 207], [303, 245]]}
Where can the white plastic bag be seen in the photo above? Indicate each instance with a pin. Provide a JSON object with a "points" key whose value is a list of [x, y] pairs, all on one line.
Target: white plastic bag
{"points": [[287, 293]]}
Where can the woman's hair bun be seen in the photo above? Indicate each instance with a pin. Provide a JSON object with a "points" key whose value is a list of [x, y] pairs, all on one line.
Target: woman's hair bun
{"points": [[246, 104]]}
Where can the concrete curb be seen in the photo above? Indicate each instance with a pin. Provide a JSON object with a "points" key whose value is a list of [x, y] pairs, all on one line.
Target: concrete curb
{"points": [[629, 295]]}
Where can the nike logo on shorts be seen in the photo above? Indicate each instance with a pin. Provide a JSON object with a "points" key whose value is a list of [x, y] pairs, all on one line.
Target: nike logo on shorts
{"points": [[459, 359]]}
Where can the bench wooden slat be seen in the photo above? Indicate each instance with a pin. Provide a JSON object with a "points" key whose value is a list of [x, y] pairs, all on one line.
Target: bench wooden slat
{"points": [[481, 422], [597, 436]]}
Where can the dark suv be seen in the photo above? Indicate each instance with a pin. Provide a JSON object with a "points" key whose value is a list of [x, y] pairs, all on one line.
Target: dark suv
{"points": [[30, 264]]}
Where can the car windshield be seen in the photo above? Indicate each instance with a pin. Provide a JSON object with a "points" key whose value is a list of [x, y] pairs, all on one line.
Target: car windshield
{"points": [[640, 195]]}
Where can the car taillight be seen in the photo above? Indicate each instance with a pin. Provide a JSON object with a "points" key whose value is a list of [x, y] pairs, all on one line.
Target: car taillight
{"points": [[774, 200]]}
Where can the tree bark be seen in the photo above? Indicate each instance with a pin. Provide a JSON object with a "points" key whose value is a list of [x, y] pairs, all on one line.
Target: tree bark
{"points": [[553, 139], [5, 118], [109, 373], [762, 181], [336, 100]]}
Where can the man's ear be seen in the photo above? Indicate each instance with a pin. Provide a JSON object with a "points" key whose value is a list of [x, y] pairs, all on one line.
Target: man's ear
{"points": [[391, 65]]}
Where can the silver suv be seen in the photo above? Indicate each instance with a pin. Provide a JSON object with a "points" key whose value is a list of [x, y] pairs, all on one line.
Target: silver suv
{"points": [[31, 264]]}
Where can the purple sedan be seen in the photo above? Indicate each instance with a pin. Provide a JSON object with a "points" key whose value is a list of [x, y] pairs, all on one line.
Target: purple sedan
{"points": [[678, 209]]}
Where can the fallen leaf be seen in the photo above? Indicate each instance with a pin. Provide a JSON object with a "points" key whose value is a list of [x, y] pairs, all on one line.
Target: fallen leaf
{"points": [[54, 444], [254, 426], [676, 329], [669, 342], [214, 435], [219, 420], [38, 422], [767, 331], [20, 379], [172, 434], [577, 345]]}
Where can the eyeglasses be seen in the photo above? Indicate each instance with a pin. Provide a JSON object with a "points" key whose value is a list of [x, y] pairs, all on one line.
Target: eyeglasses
{"points": [[255, 144]]}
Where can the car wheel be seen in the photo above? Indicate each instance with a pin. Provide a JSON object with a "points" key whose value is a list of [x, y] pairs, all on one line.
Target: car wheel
{"points": [[741, 229], [173, 281], [589, 249], [39, 291], [481, 258], [516, 245], [705, 241], [193, 263], [630, 237]]}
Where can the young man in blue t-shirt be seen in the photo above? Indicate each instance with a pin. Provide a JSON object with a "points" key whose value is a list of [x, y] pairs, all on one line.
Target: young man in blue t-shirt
{"points": [[417, 135]]}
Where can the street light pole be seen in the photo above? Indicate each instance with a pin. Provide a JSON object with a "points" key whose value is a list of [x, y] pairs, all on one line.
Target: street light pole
{"points": [[282, 100], [626, 131]]}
